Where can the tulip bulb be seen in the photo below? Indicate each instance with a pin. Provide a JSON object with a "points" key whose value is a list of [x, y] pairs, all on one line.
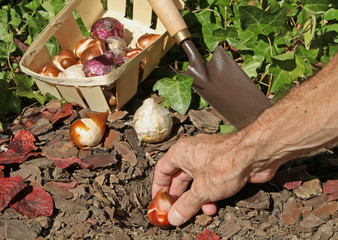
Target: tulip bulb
{"points": [[88, 132], [50, 71], [152, 122], [64, 59], [146, 40], [159, 208]]}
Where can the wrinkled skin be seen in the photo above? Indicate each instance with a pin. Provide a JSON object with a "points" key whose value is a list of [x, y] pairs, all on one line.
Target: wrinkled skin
{"points": [[218, 166]]}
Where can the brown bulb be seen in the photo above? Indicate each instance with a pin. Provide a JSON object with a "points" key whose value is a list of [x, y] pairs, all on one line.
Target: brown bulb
{"points": [[83, 45], [146, 40], [50, 71], [133, 52], [64, 59], [95, 50]]}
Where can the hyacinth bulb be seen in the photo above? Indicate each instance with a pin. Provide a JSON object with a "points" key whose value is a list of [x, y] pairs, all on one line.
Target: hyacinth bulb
{"points": [[106, 27], [117, 45], [88, 132], [152, 122], [74, 71]]}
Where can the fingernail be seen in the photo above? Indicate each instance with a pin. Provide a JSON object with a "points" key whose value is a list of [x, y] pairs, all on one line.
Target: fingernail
{"points": [[175, 218]]}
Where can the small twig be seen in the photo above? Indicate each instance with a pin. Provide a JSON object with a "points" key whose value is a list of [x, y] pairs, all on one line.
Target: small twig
{"points": [[136, 199], [225, 17], [270, 83], [293, 9]]}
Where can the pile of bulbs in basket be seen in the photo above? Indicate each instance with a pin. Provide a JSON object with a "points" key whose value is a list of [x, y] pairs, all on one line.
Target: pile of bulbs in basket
{"points": [[97, 55]]}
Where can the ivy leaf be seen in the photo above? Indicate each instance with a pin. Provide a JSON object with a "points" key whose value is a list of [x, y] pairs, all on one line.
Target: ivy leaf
{"points": [[248, 38], [210, 22], [285, 56], [33, 5], [176, 92], [5, 35], [9, 100], [229, 35], [316, 5], [285, 72], [309, 28], [251, 64], [331, 14], [265, 22], [264, 49], [24, 88]]}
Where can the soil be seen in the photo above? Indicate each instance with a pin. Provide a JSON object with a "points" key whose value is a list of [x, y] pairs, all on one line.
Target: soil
{"points": [[110, 201]]}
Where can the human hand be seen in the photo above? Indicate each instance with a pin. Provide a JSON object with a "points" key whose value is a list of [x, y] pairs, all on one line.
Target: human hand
{"points": [[216, 165]]}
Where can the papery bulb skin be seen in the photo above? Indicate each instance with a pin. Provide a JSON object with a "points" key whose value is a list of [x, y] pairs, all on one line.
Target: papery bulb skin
{"points": [[152, 122], [74, 71], [100, 65], [159, 208], [88, 132], [106, 27], [117, 45]]}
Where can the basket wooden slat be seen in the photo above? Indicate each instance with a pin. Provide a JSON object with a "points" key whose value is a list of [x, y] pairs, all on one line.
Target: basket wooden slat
{"points": [[118, 7], [90, 11], [69, 33], [126, 85], [142, 12], [43, 59], [46, 87], [95, 98], [122, 82], [71, 94]]}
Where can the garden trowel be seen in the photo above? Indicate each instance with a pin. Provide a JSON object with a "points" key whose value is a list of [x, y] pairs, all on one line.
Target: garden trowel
{"points": [[220, 82]]}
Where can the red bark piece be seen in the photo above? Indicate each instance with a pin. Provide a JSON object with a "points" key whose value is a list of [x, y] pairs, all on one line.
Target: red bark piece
{"points": [[9, 188], [207, 235], [290, 178], [47, 113], [11, 156], [66, 186], [330, 190], [65, 111], [23, 142], [34, 201], [64, 162]]}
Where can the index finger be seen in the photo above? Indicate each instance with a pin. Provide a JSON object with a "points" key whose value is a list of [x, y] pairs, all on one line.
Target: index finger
{"points": [[164, 172]]}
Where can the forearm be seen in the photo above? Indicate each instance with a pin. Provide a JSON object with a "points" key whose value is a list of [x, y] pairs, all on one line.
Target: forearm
{"points": [[306, 119]]}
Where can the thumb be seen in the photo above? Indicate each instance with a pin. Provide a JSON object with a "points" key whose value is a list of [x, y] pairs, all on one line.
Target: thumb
{"points": [[184, 208]]}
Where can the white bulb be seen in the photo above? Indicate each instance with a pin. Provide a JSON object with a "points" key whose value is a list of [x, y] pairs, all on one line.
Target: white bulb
{"points": [[74, 71], [152, 122]]}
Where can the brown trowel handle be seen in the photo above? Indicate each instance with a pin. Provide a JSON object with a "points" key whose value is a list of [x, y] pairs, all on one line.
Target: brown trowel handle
{"points": [[171, 18]]}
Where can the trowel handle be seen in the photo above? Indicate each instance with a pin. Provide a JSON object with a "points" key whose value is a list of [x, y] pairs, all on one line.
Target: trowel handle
{"points": [[171, 18]]}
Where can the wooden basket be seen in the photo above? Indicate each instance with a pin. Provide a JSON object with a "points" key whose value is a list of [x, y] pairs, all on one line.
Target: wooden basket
{"points": [[122, 83]]}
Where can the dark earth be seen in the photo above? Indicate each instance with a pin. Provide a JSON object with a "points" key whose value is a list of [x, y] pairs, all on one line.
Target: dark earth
{"points": [[110, 200]]}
